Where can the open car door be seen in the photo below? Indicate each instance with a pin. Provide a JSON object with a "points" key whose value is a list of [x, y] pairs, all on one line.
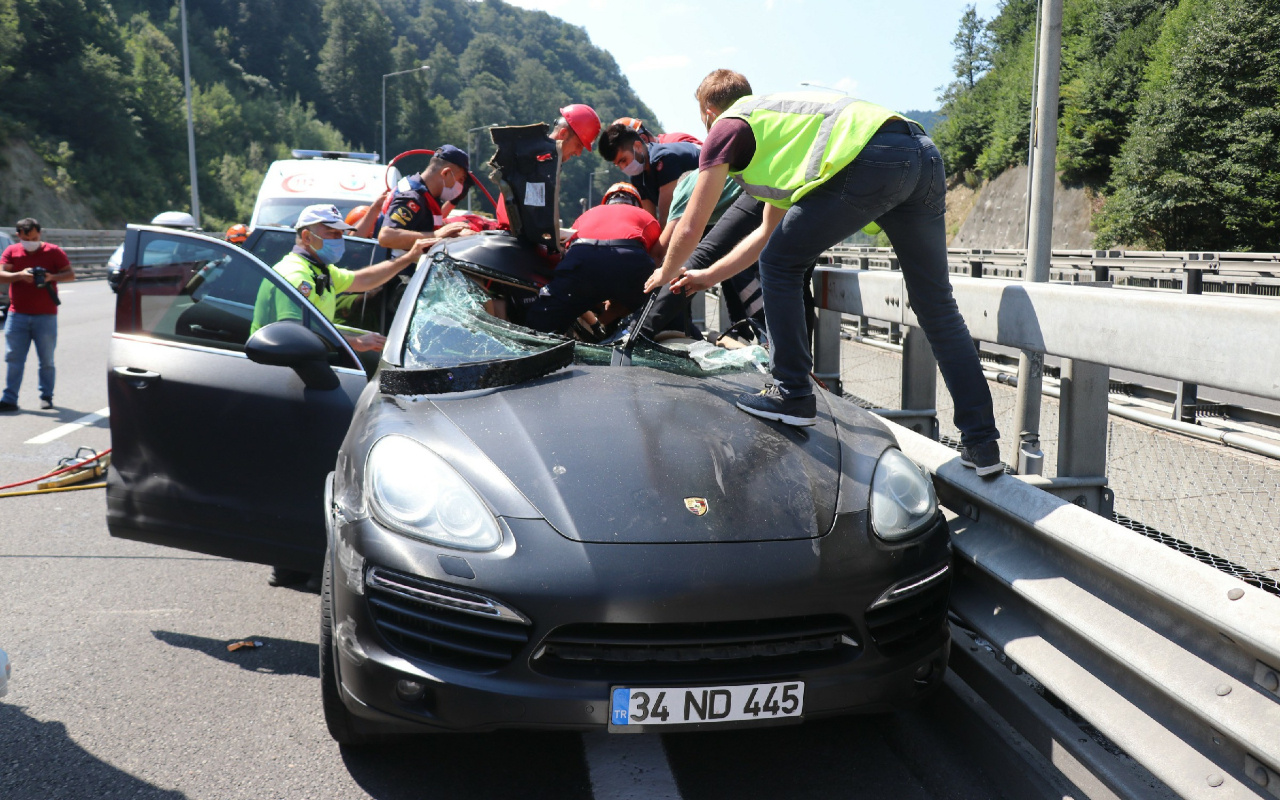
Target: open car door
{"points": [[212, 450]]}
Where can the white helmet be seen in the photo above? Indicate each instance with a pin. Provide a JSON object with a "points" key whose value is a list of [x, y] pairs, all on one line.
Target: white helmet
{"points": [[175, 219]]}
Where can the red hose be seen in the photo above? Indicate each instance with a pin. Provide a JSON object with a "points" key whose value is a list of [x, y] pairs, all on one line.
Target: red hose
{"points": [[76, 465], [386, 178]]}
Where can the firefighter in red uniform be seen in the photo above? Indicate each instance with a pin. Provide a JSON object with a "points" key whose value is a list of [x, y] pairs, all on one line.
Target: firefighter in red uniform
{"points": [[610, 255]]}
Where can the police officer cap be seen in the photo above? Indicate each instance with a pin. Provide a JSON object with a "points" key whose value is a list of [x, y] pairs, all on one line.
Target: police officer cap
{"points": [[456, 157], [325, 214]]}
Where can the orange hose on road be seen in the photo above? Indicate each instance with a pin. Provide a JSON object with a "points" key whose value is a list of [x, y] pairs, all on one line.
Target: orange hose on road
{"points": [[76, 465]]}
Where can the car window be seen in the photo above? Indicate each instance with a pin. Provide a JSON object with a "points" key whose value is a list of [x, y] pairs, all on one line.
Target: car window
{"points": [[450, 326], [204, 292]]}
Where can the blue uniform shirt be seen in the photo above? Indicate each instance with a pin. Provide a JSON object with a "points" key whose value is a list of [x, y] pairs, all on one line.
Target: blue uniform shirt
{"points": [[413, 208], [667, 162]]}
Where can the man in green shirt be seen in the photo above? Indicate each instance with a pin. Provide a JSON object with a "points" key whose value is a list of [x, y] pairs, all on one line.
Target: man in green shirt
{"points": [[310, 269]]}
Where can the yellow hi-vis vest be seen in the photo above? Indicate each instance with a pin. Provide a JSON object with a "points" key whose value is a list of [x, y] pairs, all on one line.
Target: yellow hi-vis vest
{"points": [[802, 139]]}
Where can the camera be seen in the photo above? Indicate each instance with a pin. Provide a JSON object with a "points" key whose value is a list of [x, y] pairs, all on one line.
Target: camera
{"points": [[41, 276]]}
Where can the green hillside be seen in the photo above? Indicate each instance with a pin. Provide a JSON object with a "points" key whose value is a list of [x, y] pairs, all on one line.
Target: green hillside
{"points": [[96, 88], [1170, 113]]}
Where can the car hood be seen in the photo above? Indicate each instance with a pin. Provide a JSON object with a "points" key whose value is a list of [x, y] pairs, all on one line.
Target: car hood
{"points": [[632, 455]]}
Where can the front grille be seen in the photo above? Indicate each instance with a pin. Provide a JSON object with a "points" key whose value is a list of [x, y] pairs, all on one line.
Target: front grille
{"points": [[442, 624], [898, 625], [696, 651]]}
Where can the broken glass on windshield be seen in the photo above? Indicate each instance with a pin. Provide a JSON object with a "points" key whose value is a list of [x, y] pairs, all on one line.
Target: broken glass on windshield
{"points": [[450, 326]]}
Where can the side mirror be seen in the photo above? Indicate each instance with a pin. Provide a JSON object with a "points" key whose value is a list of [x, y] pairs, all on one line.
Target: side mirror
{"points": [[289, 343]]}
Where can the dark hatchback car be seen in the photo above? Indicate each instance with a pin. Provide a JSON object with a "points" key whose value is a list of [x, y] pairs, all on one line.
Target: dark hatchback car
{"points": [[513, 532]]}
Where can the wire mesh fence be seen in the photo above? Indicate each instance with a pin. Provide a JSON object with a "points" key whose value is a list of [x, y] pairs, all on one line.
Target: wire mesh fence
{"points": [[1214, 503]]}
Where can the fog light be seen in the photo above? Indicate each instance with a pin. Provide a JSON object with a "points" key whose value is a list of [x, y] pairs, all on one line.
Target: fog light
{"points": [[409, 690], [345, 636], [923, 672]]}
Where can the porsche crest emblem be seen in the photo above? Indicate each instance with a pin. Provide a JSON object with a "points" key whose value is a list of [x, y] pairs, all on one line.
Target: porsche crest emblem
{"points": [[697, 505]]}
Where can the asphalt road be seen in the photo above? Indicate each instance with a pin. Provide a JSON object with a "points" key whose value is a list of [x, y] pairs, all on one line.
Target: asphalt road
{"points": [[123, 686]]}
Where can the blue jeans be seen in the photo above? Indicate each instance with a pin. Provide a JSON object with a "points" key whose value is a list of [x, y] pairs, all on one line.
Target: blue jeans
{"points": [[20, 330], [898, 182]]}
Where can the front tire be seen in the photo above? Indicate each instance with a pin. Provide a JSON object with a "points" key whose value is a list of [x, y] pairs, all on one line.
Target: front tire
{"points": [[341, 724]]}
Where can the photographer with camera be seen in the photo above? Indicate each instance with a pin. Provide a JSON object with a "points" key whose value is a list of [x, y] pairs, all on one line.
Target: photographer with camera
{"points": [[32, 268]]}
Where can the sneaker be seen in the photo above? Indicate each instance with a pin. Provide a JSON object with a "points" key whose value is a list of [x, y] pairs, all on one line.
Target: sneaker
{"points": [[46, 403], [982, 458], [8, 407], [287, 577], [800, 412]]}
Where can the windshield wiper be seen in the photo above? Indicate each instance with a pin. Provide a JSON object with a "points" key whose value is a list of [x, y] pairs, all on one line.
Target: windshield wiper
{"points": [[622, 358]]}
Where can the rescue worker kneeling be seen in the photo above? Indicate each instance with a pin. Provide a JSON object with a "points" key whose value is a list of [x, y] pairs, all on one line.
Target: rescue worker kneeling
{"points": [[612, 252]]}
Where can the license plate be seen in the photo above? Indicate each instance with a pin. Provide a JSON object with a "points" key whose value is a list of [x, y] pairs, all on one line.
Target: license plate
{"points": [[633, 708]]}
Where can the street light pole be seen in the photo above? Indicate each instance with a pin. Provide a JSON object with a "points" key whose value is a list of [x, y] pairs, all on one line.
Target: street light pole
{"points": [[1044, 145], [470, 151], [820, 86], [191, 131], [422, 68], [591, 182]]}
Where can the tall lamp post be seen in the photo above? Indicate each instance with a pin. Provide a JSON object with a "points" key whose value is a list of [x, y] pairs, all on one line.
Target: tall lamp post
{"points": [[470, 151], [191, 131], [422, 68], [591, 182]]}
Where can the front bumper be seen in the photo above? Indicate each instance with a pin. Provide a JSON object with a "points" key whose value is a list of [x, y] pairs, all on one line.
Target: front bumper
{"points": [[551, 582]]}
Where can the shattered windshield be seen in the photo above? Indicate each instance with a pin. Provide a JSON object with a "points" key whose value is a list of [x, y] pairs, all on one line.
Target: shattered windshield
{"points": [[450, 326]]}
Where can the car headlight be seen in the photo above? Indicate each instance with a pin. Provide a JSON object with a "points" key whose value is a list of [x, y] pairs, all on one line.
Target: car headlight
{"points": [[415, 492], [902, 498]]}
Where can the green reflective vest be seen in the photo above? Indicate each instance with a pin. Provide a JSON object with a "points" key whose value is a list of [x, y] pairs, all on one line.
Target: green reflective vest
{"points": [[272, 305], [802, 139]]}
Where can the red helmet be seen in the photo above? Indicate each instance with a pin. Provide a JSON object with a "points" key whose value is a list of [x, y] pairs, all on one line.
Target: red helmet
{"points": [[355, 215], [237, 233], [583, 121], [621, 193]]}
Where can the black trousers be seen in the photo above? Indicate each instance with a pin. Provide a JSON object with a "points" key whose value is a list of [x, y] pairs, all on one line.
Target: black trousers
{"points": [[587, 276], [742, 293]]}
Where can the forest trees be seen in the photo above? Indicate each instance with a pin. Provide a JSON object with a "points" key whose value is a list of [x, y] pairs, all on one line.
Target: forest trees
{"points": [[95, 86], [1170, 114]]}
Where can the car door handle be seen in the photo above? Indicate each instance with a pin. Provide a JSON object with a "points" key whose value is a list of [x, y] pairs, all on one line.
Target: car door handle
{"points": [[135, 377]]}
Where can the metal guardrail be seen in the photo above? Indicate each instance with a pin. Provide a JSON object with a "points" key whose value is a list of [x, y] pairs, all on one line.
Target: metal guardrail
{"points": [[88, 250], [1174, 662], [1255, 274], [1092, 329]]}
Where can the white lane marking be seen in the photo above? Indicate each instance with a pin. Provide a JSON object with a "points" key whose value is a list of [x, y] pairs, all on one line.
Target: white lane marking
{"points": [[629, 767], [71, 427]]}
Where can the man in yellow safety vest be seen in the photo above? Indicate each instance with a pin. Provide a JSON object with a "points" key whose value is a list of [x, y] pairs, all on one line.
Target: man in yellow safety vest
{"points": [[827, 165]]}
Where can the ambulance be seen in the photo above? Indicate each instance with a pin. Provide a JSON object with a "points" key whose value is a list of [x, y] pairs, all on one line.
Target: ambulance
{"points": [[318, 176]]}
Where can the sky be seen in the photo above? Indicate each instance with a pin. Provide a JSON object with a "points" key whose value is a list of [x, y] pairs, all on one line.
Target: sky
{"points": [[896, 53]]}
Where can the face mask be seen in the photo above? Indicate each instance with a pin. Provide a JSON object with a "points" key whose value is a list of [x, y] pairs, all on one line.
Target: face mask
{"points": [[450, 193], [30, 247], [634, 168], [331, 250]]}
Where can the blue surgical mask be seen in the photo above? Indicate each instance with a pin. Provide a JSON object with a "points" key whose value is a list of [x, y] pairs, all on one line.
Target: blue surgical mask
{"points": [[331, 250]]}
